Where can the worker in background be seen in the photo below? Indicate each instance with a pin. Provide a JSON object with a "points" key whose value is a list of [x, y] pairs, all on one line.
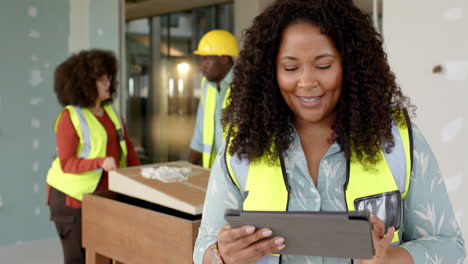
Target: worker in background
{"points": [[216, 48], [92, 139]]}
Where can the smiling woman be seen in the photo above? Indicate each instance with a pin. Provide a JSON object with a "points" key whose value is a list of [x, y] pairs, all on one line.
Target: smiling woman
{"points": [[309, 73], [316, 122], [361, 57]]}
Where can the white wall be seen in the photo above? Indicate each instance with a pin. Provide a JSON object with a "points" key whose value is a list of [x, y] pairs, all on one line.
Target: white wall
{"points": [[418, 35], [47, 251], [36, 37], [244, 13]]}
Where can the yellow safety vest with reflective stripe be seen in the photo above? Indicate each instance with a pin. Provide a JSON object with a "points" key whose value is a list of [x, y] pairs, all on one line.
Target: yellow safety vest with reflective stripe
{"points": [[268, 188], [92, 144], [208, 100]]}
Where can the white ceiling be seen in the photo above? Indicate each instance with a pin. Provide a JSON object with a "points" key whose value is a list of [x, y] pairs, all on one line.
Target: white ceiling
{"points": [[144, 8]]}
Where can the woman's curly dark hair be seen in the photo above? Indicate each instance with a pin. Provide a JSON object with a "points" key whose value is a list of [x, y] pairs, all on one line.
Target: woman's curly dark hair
{"points": [[75, 78], [258, 118]]}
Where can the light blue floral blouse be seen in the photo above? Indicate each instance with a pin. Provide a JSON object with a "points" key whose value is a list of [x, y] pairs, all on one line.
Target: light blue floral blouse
{"points": [[431, 233]]}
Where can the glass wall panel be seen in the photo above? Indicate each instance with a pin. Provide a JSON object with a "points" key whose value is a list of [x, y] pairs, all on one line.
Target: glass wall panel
{"points": [[138, 82]]}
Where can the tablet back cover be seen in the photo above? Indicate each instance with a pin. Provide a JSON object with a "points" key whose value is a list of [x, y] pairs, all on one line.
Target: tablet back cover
{"points": [[328, 234]]}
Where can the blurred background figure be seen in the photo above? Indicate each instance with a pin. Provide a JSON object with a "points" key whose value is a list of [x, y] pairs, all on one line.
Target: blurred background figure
{"points": [[216, 48], [91, 140]]}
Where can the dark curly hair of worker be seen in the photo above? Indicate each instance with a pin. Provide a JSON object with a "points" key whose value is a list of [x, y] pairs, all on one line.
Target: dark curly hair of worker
{"points": [[258, 118], [75, 78]]}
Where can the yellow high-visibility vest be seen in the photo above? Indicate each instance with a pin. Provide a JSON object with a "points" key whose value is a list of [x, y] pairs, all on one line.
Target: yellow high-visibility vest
{"points": [[268, 189], [208, 101], [92, 144]]}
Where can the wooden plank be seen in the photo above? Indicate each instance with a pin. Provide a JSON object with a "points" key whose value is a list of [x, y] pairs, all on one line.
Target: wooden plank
{"points": [[187, 196], [94, 258]]}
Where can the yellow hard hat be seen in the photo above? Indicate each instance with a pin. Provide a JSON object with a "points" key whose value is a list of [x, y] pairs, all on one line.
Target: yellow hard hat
{"points": [[217, 43]]}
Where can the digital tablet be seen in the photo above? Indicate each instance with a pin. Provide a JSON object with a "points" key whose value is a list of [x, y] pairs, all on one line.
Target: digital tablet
{"points": [[327, 234]]}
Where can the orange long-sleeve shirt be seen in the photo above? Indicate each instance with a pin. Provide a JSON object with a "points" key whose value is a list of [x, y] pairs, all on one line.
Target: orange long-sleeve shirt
{"points": [[67, 141]]}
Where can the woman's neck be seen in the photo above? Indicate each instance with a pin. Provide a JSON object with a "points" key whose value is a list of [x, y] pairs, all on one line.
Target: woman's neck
{"points": [[320, 130], [97, 110]]}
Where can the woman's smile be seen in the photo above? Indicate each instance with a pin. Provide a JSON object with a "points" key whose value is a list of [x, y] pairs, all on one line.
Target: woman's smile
{"points": [[309, 101]]}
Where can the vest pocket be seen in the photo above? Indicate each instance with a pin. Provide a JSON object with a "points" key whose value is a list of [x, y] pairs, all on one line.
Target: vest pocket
{"points": [[386, 206]]}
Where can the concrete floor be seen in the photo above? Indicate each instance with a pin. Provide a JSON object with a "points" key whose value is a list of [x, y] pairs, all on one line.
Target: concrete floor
{"points": [[37, 252]]}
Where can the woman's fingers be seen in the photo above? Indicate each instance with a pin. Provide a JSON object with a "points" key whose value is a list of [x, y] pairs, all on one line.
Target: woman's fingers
{"points": [[109, 164], [229, 234], [246, 244], [390, 234], [242, 237], [378, 230], [381, 241], [246, 241], [262, 248], [113, 164], [378, 227]]}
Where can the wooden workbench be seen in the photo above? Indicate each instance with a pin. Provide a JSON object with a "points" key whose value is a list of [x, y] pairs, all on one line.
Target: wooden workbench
{"points": [[131, 230]]}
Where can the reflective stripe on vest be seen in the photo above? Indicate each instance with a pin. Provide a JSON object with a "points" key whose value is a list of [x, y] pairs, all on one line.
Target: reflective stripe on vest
{"points": [[92, 144], [268, 189], [209, 94]]}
